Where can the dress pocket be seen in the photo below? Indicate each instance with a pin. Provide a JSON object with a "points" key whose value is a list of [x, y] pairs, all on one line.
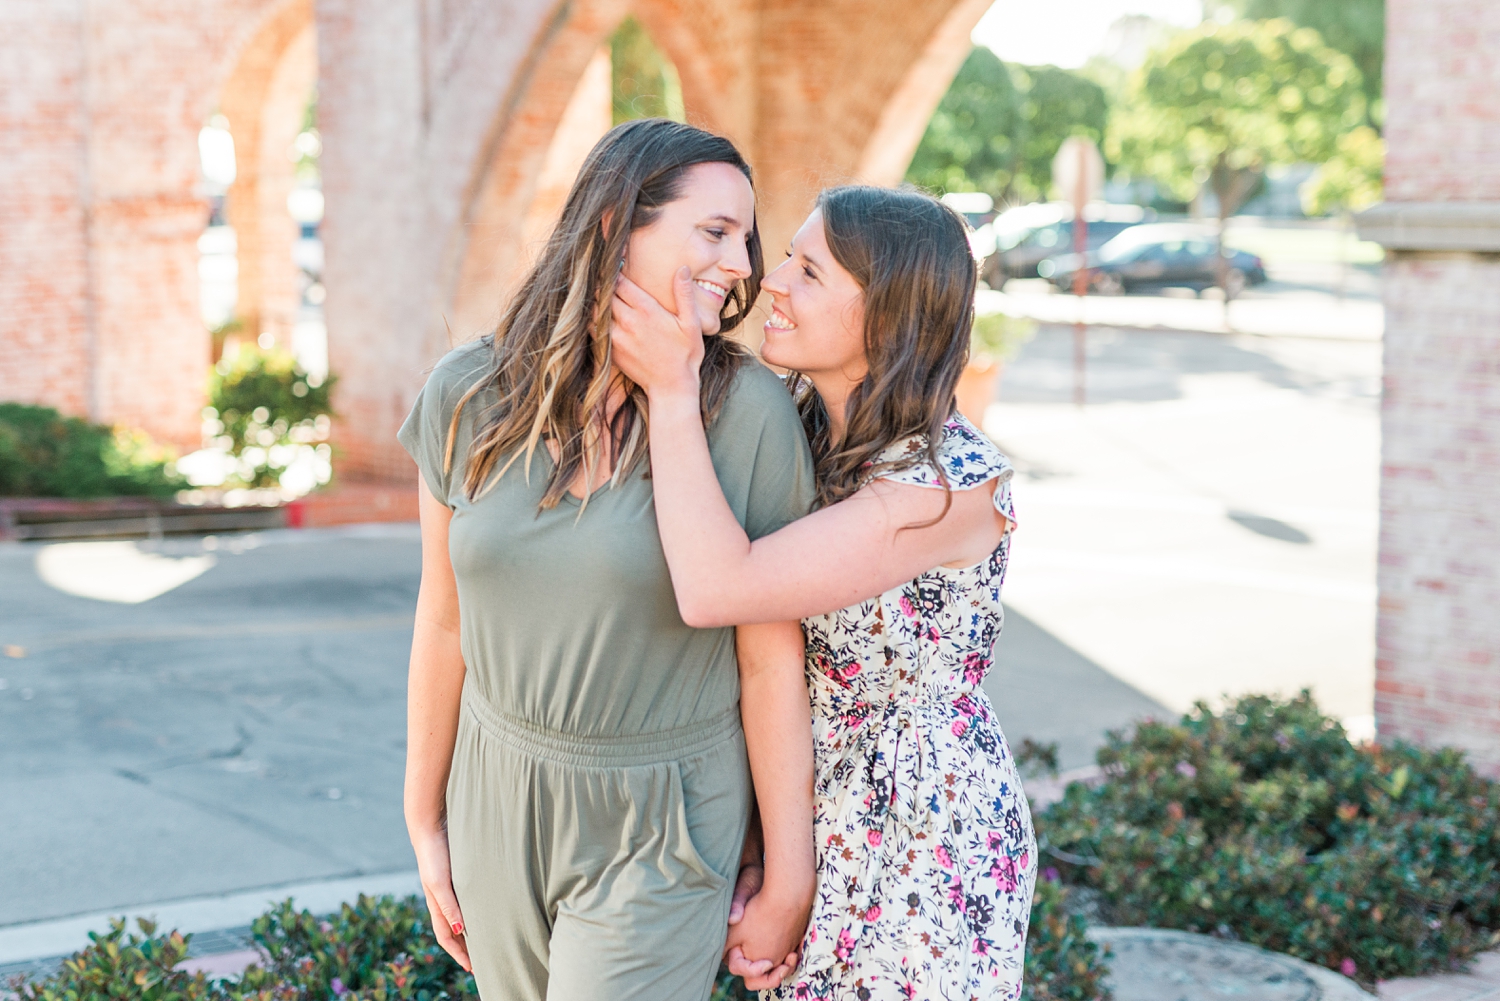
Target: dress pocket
{"points": [[682, 845]]}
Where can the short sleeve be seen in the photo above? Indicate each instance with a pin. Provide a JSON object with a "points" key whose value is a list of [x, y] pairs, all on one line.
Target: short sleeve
{"points": [[968, 457], [424, 433], [761, 454]]}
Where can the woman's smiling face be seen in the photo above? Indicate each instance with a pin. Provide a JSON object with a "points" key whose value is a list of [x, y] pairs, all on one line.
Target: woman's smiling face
{"points": [[817, 322], [707, 228]]}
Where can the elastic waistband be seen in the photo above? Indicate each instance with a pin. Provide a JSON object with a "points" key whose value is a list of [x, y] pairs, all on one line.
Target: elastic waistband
{"points": [[615, 751]]}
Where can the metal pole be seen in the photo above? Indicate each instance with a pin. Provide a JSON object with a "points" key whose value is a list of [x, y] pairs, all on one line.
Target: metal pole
{"points": [[1080, 275]]}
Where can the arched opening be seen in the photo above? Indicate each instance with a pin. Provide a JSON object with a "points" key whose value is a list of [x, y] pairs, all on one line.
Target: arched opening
{"points": [[272, 208]]}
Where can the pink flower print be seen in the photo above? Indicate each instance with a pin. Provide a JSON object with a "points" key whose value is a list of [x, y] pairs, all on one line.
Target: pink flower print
{"points": [[932, 633], [907, 608], [993, 840], [956, 897], [849, 670], [873, 914], [1003, 871], [959, 726], [845, 948], [802, 991], [964, 704], [975, 667], [981, 947], [1025, 859], [873, 837], [909, 989], [944, 859]]}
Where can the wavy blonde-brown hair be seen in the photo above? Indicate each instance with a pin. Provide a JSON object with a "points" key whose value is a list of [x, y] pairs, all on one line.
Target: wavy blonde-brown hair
{"points": [[910, 254], [550, 354]]}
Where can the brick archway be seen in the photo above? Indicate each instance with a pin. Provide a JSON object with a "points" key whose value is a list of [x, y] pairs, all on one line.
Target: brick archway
{"points": [[263, 98], [99, 311]]}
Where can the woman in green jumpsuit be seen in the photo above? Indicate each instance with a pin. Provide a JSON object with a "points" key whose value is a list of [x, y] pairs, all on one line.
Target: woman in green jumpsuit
{"points": [[578, 779]]}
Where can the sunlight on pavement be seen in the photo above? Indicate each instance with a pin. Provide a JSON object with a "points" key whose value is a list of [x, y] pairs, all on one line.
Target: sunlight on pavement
{"points": [[1208, 527], [116, 571]]}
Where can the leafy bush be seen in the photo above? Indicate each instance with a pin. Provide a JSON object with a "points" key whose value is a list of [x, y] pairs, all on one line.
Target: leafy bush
{"points": [[1062, 963], [1264, 823], [373, 950], [44, 454], [120, 964], [997, 336], [265, 410], [382, 949]]}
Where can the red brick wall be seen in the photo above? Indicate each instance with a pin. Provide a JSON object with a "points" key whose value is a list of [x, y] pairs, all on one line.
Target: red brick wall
{"points": [[99, 203], [1442, 80], [1438, 632], [44, 351], [1438, 639]]}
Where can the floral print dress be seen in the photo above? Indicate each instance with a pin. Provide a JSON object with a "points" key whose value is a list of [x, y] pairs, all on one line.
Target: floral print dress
{"points": [[926, 855]]}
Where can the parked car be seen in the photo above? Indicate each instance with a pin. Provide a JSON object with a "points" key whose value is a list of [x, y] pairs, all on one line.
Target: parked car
{"points": [[1026, 235], [1156, 256]]}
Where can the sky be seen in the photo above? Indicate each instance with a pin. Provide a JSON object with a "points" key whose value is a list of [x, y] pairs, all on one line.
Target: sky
{"points": [[1067, 32]]}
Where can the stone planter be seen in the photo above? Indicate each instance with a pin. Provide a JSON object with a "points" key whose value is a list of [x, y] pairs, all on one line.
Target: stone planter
{"points": [[976, 388], [1155, 964]]}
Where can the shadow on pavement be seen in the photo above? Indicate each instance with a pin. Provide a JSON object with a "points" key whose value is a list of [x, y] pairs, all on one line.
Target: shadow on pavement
{"points": [[1044, 689]]}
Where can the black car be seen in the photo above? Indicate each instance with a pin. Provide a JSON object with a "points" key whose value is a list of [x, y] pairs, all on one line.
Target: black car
{"points": [[1028, 234], [1153, 257]]}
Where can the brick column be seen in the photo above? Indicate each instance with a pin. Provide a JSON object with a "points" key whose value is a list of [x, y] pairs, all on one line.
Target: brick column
{"points": [[1438, 631]]}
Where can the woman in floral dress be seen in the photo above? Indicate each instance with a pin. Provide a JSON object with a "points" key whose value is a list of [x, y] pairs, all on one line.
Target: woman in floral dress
{"points": [[926, 858]]}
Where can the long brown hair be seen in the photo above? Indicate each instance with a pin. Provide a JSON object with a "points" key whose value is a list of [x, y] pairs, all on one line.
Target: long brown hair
{"points": [[549, 356], [910, 253]]}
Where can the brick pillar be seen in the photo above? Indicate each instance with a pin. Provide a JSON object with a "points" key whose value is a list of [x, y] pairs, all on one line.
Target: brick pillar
{"points": [[1438, 632], [45, 322]]}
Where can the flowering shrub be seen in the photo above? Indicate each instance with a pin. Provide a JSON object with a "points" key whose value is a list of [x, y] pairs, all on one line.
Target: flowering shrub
{"points": [[1263, 823], [120, 964]]}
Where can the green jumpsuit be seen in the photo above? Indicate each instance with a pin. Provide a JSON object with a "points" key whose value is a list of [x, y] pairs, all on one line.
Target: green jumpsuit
{"points": [[600, 788]]}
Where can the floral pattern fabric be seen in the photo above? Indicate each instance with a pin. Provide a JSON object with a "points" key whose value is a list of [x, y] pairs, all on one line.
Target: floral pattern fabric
{"points": [[926, 855]]}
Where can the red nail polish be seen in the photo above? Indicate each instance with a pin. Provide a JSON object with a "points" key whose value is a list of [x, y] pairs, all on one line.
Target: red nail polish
{"points": [[458, 927]]}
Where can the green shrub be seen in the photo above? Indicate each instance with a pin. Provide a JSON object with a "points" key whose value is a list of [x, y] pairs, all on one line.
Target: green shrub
{"points": [[1062, 963], [1265, 824], [372, 950], [263, 408], [44, 454], [119, 964], [382, 949], [997, 337]]}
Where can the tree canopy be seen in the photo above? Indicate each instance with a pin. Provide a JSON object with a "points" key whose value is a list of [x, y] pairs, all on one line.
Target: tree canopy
{"points": [[1218, 104], [999, 126], [1351, 179], [1055, 104], [970, 142], [1354, 27]]}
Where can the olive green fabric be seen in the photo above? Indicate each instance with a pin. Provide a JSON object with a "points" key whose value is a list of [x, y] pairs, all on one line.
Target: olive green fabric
{"points": [[599, 789]]}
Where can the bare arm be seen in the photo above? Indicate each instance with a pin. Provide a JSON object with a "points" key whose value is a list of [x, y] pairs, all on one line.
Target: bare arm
{"points": [[434, 690], [835, 557]]}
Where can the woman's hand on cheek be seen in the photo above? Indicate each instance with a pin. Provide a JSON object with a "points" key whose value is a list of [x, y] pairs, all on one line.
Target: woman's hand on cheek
{"points": [[656, 349]]}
